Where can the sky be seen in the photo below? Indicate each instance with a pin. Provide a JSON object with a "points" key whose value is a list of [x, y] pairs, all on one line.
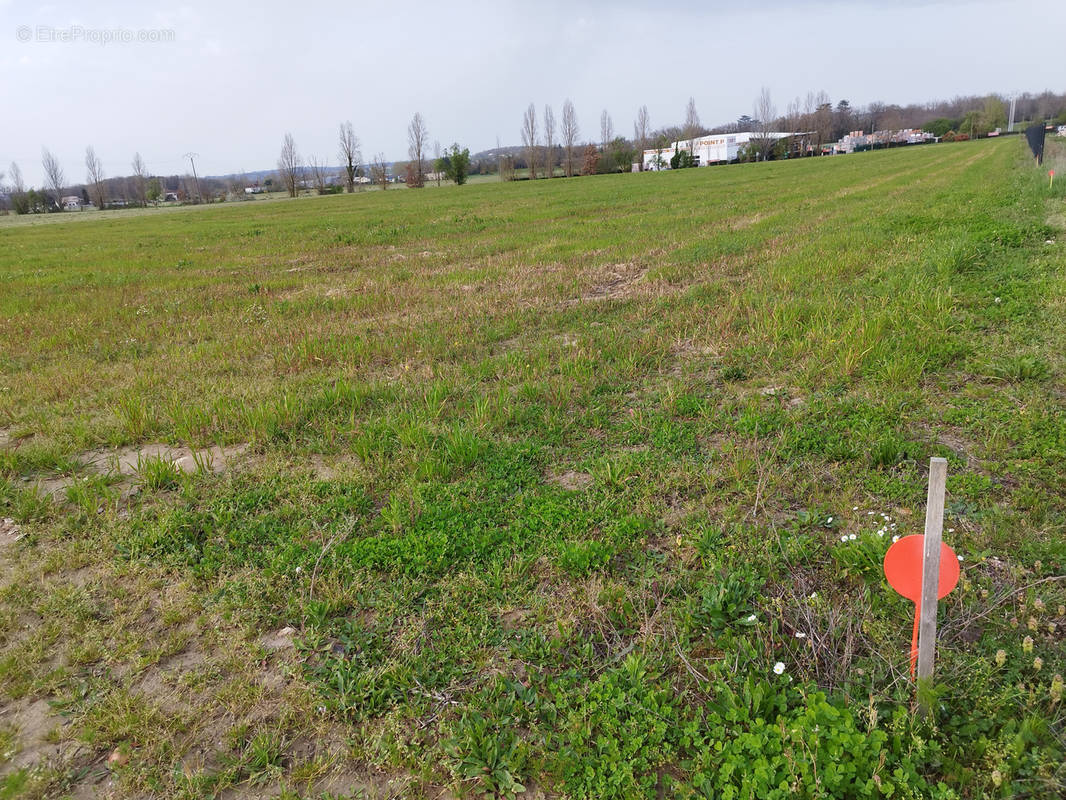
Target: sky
{"points": [[227, 79]]}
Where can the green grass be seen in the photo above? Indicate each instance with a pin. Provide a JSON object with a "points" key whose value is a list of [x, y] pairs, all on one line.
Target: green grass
{"points": [[547, 476]]}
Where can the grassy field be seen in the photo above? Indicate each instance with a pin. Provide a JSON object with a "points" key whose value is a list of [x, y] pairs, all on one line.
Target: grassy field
{"points": [[530, 486]]}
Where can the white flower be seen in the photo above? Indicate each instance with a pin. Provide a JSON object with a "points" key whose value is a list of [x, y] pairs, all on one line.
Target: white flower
{"points": [[869, 513], [854, 508], [951, 530], [844, 538], [814, 595], [751, 618], [829, 520], [998, 300], [895, 538], [801, 635], [852, 537], [779, 668], [960, 558]]}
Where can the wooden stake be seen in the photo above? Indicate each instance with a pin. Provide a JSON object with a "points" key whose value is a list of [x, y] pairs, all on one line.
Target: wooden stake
{"points": [[934, 529]]}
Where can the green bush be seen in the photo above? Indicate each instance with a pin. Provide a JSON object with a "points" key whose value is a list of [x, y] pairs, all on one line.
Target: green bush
{"points": [[613, 735], [753, 744]]}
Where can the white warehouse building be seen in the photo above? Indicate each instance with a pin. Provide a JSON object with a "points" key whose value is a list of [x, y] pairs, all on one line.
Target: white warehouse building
{"points": [[711, 149]]}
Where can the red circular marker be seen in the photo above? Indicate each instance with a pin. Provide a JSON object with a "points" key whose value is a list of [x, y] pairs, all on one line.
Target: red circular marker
{"points": [[903, 568], [1051, 172]]}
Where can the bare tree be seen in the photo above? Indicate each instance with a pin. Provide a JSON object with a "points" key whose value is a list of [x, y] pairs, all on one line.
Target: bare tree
{"points": [[53, 173], [19, 201], [235, 185], [17, 184], [549, 141], [606, 130], [641, 129], [529, 138], [437, 163], [140, 180], [379, 171], [350, 155], [94, 176], [506, 167], [692, 124], [766, 116], [289, 164], [823, 117], [318, 174], [417, 134], [570, 133]]}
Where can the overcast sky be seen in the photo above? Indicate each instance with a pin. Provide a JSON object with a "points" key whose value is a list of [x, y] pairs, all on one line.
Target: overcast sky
{"points": [[231, 77]]}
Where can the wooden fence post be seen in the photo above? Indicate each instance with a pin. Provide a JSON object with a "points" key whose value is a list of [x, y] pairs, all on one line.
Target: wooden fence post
{"points": [[934, 529]]}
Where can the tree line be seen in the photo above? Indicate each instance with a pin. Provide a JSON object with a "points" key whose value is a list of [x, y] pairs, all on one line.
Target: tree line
{"points": [[550, 147], [813, 120]]}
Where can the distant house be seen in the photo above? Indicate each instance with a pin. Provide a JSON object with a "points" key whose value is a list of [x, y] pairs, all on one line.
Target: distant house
{"points": [[71, 203], [257, 189]]}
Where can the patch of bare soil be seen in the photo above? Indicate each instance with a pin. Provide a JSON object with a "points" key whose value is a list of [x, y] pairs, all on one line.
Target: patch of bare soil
{"points": [[328, 467], [957, 445], [33, 722], [126, 462], [280, 640], [618, 281], [9, 532], [788, 395], [572, 481], [687, 348], [514, 618], [744, 222]]}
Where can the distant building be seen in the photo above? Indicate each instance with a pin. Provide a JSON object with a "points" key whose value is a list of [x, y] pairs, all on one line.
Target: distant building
{"points": [[719, 148], [857, 141], [71, 203], [254, 189]]}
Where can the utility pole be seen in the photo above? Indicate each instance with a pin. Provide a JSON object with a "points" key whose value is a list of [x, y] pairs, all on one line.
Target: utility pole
{"points": [[1013, 104], [191, 156]]}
